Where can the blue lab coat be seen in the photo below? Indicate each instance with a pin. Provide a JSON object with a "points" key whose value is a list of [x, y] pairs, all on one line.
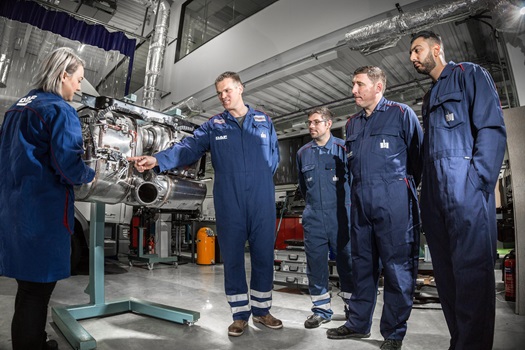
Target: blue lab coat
{"points": [[244, 160], [40, 162], [323, 181], [464, 145], [384, 156]]}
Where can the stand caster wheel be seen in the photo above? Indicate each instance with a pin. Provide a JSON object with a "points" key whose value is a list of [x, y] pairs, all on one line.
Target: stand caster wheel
{"points": [[150, 266]]}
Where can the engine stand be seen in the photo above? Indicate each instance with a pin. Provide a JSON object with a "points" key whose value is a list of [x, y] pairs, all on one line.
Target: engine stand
{"points": [[66, 318]]}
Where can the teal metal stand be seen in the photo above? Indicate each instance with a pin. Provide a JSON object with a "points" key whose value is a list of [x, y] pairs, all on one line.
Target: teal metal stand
{"points": [[66, 318]]}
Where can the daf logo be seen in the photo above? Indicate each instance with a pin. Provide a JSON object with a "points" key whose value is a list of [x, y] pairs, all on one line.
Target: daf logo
{"points": [[26, 100], [223, 137]]}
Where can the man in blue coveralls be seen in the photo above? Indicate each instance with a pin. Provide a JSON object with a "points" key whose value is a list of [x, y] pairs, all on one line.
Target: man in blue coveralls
{"points": [[384, 155], [463, 149], [323, 181], [245, 155]]}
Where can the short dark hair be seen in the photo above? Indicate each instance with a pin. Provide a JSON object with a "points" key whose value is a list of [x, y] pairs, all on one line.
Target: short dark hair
{"points": [[324, 111], [428, 35], [375, 74], [232, 75]]}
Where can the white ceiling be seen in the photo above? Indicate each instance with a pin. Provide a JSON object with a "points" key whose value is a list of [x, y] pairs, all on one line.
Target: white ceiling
{"points": [[287, 94]]}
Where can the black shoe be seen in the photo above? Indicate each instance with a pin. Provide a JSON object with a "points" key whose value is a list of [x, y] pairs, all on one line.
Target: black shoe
{"points": [[314, 321], [344, 333], [51, 345], [391, 344]]}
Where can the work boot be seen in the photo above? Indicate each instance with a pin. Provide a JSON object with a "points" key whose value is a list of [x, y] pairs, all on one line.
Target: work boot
{"points": [[344, 333], [269, 321], [314, 321], [391, 344], [236, 329]]}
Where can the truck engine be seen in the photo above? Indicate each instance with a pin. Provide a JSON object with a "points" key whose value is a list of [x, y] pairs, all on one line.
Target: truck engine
{"points": [[114, 130]]}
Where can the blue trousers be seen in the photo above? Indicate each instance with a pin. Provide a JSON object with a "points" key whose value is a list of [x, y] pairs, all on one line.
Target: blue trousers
{"points": [[247, 216], [324, 231], [383, 232], [460, 228]]}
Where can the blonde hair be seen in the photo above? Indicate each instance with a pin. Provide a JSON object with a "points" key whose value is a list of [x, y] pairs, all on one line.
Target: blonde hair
{"points": [[49, 76]]}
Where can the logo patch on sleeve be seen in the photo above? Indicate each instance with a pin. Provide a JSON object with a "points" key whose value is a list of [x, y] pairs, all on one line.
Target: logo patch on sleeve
{"points": [[219, 121], [26, 100], [259, 118]]}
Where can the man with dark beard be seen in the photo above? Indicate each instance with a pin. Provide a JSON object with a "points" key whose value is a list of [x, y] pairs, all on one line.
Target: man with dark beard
{"points": [[463, 148]]}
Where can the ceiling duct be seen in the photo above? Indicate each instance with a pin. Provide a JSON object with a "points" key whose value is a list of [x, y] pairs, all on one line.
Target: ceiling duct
{"points": [[7, 45], [386, 33], [157, 47]]}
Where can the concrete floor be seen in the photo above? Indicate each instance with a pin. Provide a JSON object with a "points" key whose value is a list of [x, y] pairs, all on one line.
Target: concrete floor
{"points": [[200, 288]]}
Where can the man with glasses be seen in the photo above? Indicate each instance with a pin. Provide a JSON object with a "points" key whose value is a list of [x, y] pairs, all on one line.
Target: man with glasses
{"points": [[384, 143], [323, 181]]}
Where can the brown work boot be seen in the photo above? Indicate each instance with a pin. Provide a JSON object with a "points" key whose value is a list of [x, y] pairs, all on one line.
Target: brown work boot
{"points": [[236, 329], [269, 321]]}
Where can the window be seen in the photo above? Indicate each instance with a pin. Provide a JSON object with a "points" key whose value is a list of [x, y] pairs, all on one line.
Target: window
{"points": [[202, 20]]}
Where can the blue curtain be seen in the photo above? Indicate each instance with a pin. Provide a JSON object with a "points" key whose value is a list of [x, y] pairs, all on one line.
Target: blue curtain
{"points": [[67, 26]]}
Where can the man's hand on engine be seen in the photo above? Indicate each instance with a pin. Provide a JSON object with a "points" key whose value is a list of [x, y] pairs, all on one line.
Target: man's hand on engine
{"points": [[143, 162]]}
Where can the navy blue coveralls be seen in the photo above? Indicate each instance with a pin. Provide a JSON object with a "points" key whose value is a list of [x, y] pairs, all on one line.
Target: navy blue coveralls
{"points": [[244, 160], [384, 156], [463, 149], [323, 181], [41, 151]]}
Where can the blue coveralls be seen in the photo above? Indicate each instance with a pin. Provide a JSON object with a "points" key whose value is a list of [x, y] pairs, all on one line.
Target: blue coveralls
{"points": [[384, 156], [244, 160], [323, 181], [40, 161], [463, 148]]}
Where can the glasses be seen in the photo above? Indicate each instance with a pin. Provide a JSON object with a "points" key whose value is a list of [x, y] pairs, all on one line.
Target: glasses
{"points": [[314, 122]]}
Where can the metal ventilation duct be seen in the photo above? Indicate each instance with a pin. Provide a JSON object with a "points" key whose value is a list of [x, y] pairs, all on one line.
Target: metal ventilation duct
{"points": [[7, 45], [386, 33], [156, 51]]}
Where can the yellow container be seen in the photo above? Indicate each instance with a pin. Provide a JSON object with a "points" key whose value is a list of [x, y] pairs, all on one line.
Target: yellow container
{"points": [[205, 246]]}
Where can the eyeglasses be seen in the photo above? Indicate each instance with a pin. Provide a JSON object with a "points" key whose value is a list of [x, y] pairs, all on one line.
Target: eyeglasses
{"points": [[314, 122]]}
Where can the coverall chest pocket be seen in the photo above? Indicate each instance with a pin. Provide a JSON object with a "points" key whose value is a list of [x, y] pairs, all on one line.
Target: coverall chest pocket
{"points": [[335, 170], [262, 131], [330, 168], [385, 142], [351, 146], [449, 111], [223, 140], [446, 124], [309, 175]]}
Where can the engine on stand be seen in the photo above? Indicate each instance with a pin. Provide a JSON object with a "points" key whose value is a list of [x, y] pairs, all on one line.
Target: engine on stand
{"points": [[114, 130]]}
